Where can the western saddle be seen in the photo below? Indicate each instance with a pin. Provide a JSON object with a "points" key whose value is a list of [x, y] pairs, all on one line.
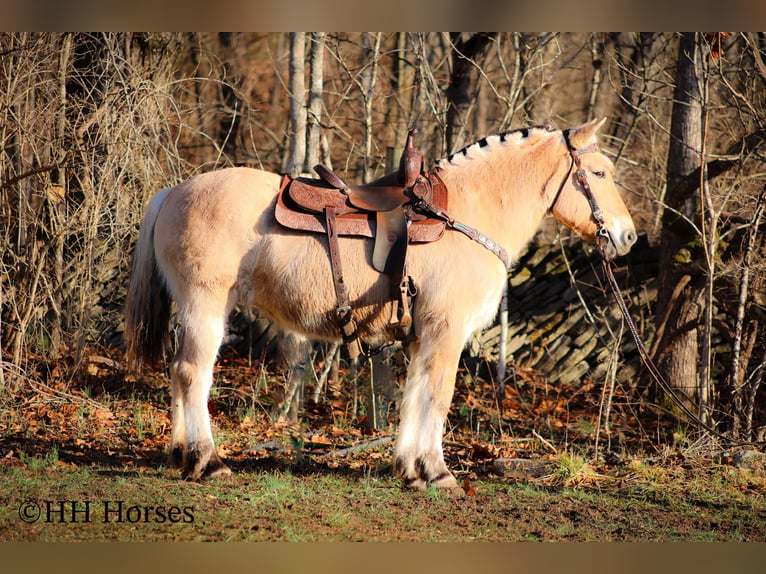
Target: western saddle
{"points": [[395, 210]]}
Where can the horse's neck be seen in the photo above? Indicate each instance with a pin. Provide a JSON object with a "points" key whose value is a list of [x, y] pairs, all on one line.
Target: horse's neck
{"points": [[505, 203]]}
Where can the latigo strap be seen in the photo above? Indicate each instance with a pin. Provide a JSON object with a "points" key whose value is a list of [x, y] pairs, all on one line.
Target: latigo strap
{"points": [[344, 313]]}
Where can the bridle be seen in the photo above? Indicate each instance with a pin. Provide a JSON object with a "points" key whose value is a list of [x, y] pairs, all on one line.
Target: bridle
{"points": [[602, 241], [602, 233]]}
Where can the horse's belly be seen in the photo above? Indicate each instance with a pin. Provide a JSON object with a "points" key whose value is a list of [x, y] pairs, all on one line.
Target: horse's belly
{"points": [[289, 278]]}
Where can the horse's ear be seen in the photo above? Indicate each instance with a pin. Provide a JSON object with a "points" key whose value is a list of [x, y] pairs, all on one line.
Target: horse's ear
{"points": [[586, 133]]}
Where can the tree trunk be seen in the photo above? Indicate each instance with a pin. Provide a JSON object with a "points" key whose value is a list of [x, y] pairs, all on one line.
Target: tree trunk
{"points": [[371, 48], [58, 208], [231, 112], [466, 54], [679, 361], [597, 57], [316, 83], [297, 351], [297, 86]]}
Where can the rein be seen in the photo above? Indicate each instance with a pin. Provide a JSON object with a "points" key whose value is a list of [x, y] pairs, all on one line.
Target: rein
{"points": [[646, 359], [602, 241]]}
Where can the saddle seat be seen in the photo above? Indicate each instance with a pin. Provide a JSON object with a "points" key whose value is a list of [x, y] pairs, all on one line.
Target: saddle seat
{"points": [[384, 194]]}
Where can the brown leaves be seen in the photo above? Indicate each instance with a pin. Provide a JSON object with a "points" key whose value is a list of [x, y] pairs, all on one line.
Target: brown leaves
{"points": [[103, 414], [467, 488], [715, 41]]}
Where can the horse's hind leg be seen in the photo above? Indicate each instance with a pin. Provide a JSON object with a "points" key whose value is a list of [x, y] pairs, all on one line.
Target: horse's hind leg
{"points": [[202, 327], [418, 457]]}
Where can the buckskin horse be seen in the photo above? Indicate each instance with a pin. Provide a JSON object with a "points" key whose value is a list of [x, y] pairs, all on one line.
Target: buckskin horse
{"points": [[213, 241]]}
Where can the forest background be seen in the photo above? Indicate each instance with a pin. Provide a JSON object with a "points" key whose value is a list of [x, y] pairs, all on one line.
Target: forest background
{"points": [[92, 125]]}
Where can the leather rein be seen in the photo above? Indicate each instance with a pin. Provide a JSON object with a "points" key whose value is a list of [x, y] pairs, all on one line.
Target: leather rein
{"points": [[602, 242]]}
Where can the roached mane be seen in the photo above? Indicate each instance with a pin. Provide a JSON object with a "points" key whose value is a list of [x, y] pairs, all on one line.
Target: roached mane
{"points": [[518, 136]]}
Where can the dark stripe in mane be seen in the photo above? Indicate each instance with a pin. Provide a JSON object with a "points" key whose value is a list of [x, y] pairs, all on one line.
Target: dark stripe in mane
{"points": [[503, 136]]}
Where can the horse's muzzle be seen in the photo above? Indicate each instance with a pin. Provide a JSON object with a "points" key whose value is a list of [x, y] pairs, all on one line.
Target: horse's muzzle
{"points": [[621, 240]]}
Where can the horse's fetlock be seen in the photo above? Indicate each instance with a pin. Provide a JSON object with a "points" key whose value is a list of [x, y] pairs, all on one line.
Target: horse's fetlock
{"points": [[176, 456]]}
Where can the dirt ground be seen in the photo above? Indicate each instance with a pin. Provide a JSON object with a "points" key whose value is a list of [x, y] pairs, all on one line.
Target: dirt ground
{"points": [[85, 460]]}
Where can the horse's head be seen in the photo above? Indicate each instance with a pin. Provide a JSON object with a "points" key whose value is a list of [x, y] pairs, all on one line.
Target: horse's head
{"points": [[588, 193]]}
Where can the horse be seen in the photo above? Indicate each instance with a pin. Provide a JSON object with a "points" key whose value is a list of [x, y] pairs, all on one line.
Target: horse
{"points": [[212, 242]]}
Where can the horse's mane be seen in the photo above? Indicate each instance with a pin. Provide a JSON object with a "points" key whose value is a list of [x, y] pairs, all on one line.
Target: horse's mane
{"points": [[517, 136]]}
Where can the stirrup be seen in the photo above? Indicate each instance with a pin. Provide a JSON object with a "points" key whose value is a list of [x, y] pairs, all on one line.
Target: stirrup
{"points": [[349, 332], [401, 311]]}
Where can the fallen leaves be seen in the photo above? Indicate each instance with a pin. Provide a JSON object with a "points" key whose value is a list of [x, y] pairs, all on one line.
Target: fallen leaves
{"points": [[103, 414]]}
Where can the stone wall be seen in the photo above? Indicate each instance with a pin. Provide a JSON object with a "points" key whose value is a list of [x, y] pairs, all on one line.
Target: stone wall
{"points": [[562, 319]]}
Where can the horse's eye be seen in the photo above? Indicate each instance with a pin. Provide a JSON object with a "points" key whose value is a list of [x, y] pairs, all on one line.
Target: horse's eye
{"points": [[600, 174]]}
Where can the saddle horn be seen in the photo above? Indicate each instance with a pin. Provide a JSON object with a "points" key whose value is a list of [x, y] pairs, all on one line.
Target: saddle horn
{"points": [[411, 162]]}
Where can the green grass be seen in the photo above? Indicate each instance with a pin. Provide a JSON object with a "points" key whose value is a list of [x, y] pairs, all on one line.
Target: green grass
{"points": [[321, 506]]}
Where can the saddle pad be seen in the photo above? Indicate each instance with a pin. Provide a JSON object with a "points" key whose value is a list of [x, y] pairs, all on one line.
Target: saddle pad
{"points": [[291, 215]]}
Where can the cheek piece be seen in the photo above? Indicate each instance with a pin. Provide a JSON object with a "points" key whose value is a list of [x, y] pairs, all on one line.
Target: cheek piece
{"points": [[602, 233]]}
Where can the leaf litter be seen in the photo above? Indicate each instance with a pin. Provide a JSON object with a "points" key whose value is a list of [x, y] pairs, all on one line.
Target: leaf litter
{"points": [[542, 434]]}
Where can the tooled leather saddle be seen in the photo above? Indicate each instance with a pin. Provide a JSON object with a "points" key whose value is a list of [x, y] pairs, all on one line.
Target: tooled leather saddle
{"points": [[388, 210]]}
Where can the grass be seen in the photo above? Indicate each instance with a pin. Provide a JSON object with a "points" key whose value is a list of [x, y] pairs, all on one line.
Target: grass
{"points": [[307, 504]]}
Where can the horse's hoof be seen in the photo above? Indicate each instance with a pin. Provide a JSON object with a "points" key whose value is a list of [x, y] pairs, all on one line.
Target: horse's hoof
{"points": [[203, 464], [414, 484], [216, 469], [210, 472], [445, 480]]}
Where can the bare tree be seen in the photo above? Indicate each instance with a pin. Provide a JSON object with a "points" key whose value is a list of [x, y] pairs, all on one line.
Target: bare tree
{"points": [[316, 89], [92, 125], [297, 86], [467, 56], [682, 312]]}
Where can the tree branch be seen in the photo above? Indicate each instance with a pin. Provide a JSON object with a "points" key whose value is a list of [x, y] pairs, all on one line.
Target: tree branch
{"points": [[679, 193], [42, 169]]}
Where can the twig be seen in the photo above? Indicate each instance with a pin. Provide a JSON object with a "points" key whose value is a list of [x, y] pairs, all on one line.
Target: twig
{"points": [[360, 447], [268, 445], [457, 444], [545, 442], [34, 171], [502, 348], [326, 368], [41, 389], [740, 315], [605, 405]]}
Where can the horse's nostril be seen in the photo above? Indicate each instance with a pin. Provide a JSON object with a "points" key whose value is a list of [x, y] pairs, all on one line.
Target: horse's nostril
{"points": [[629, 237]]}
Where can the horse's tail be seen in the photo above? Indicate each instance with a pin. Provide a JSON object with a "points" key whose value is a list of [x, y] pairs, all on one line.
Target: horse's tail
{"points": [[147, 308]]}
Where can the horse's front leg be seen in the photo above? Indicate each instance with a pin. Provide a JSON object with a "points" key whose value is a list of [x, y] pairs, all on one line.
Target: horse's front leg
{"points": [[418, 457]]}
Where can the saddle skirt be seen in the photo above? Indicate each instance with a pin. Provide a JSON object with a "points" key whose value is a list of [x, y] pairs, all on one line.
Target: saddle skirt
{"points": [[301, 204]]}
